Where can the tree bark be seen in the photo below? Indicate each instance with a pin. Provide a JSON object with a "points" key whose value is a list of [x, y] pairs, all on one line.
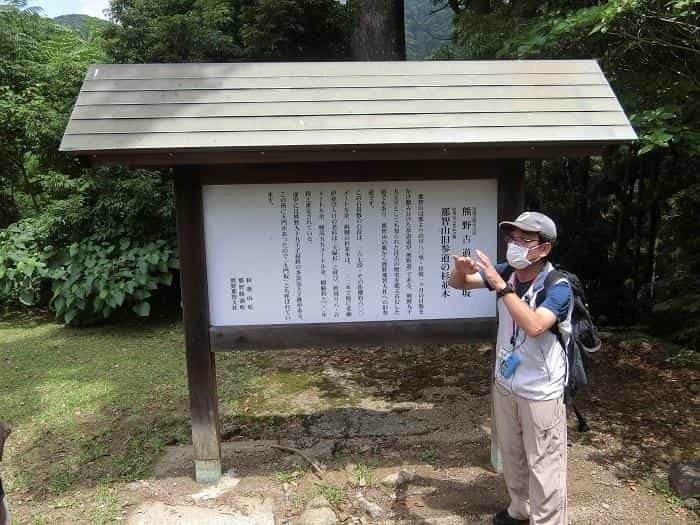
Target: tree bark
{"points": [[378, 30], [481, 7]]}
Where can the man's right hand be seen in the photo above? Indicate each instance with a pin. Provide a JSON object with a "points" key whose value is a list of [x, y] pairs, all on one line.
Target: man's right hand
{"points": [[465, 265]]}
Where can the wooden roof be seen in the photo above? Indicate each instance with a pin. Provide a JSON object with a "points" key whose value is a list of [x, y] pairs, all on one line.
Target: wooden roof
{"points": [[169, 113]]}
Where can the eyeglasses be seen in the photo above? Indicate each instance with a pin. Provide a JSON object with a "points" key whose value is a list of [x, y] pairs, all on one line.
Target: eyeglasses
{"points": [[520, 241]]}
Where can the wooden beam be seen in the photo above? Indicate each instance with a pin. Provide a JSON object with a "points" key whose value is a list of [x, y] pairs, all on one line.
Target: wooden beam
{"points": [[228, 338], [201, 366], [511, 197], [178, 157], [380, 170]]}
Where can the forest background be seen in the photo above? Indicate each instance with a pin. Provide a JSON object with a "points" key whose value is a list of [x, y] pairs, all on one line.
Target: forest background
{"points": [[98, 244]]}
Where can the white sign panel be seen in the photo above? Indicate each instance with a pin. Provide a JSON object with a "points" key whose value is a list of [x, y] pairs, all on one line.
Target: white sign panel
{"points": [[340, 252]]}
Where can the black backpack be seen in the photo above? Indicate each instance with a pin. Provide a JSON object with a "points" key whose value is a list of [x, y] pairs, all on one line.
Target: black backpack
{"points": [[584, 338]]}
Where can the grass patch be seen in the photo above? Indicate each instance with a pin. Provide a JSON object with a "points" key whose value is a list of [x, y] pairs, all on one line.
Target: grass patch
{"points": [[660, 484], [62, 480], [107, 506], [335, 495], [363, 476], [90, 408], [429, 456], [290, 476], [94, 407]]}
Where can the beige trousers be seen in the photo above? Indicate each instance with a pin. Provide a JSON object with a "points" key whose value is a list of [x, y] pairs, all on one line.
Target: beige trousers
{"points": [[532, 439]]}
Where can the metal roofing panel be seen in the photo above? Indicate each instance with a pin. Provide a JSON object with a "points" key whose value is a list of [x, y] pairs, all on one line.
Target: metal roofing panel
{"points": [[329, 69], [361, 81], [336, 122], [350, 137], [215, 96], [370, 107], [166, 107]]}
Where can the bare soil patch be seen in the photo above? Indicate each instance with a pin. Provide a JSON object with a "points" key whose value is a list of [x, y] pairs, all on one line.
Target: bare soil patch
{"points": [[368, 412]]}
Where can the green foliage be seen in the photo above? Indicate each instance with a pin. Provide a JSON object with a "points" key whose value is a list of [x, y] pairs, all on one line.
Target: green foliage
{"points": [[92, 279], [227, 30], [363, 475], [335, 495], [41, 68], [290, 476], [89, 279], [22, 266], [64, 242], [625, 220], [84, 25], [429, 456]]}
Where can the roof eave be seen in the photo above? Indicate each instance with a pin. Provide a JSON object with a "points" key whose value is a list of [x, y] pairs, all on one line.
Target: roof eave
{"points": [[265, 155]]}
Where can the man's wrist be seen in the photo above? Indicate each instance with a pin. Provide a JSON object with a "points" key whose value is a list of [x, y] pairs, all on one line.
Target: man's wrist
{"points": [[505, 290]]}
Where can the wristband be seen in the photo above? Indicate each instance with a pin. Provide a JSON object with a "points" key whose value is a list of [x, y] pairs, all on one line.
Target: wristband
{"points": [[505, 291]]}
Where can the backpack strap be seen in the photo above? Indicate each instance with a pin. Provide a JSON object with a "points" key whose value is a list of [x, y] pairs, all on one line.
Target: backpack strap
{"points": [[507, 272], [552, 278]]}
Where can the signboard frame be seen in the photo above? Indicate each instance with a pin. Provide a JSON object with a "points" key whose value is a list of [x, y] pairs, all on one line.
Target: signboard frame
{"points": [[227, 338], [202, 341]]}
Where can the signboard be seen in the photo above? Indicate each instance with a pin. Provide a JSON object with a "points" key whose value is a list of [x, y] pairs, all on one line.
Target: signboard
{"points": [[345, 251]]}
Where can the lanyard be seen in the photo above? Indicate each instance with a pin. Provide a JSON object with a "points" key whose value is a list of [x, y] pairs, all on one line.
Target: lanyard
{"points": [[516, 328], [514, 337]]}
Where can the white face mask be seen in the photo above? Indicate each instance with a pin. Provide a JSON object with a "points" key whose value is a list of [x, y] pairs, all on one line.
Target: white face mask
{"points": [[517, 256]]}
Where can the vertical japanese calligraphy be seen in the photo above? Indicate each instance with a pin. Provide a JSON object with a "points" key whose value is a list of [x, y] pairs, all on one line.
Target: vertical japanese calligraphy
{"points": [[284, 236], [339, 252]]}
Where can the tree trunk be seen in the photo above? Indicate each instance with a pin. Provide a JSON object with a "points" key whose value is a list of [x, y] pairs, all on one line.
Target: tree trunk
{"points": [[481, 7], [378, 30]]}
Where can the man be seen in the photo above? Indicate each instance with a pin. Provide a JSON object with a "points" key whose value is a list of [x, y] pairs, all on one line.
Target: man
{"points": [[4, 513], [531, 370]]}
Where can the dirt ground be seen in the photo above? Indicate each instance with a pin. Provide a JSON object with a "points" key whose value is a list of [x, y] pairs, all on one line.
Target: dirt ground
{"points": [[425, 409]]}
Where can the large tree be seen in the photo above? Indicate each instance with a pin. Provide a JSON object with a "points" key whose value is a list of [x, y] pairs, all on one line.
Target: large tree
{"points": [[378, 30], [227, 30]]}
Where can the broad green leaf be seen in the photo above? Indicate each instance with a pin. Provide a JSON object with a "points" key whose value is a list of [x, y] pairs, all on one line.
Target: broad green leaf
{"points": [[142, 309]]}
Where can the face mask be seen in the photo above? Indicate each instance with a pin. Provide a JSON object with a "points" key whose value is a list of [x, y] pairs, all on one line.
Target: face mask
{"points": [[517, 256]]}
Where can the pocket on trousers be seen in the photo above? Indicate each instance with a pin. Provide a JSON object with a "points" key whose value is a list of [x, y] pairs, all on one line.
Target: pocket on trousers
{"points": [[546, 414]]}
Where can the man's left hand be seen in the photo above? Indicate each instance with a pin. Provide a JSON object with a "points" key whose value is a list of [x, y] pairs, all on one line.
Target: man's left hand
{"points": [[489, 271]]}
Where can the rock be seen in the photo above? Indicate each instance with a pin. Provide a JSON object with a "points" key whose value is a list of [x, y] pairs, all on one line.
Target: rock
{"points": [[322, 516], [684, 478], [691, 503], [398, 479], [369, 507], [605, 506], [319, 502], [694, 388]]}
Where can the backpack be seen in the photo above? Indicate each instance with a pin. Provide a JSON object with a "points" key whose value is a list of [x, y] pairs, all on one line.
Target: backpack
{"points": [[584, 339]]}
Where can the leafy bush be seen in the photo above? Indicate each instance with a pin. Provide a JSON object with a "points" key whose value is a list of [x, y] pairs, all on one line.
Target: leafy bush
{"points": [[22, 265], [89, 280], [92, 279]]}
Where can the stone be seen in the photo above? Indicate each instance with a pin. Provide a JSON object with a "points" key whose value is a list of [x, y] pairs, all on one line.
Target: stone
{"points": [[691, 503], [369, 507], [321, 516], [319, 502], [684, 478], [398, 479]]}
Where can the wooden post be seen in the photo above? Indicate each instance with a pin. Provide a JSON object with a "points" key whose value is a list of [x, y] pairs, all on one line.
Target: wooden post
{"points": [[201, 365], [511, 201], [511, 197]]}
